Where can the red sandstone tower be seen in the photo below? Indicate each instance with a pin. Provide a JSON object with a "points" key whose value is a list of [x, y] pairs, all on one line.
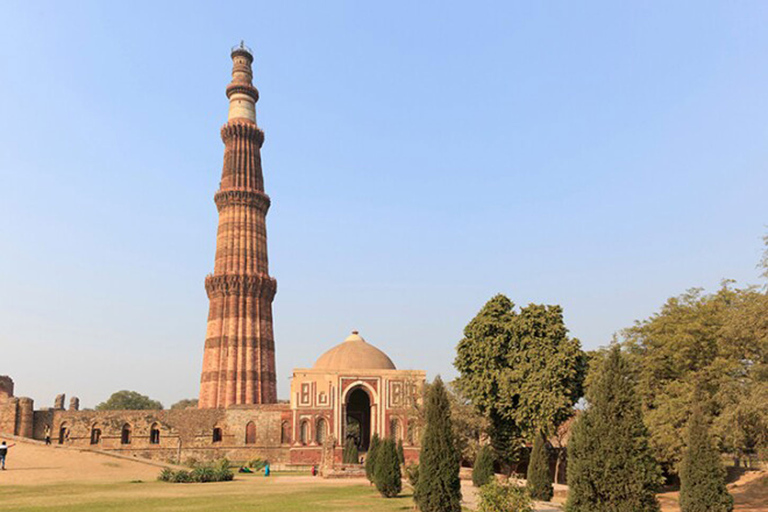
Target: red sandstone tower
{"points": [[239, 357]]}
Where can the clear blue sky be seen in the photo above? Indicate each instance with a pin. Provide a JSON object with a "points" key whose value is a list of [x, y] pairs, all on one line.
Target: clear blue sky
{"points": [[420, 156]]}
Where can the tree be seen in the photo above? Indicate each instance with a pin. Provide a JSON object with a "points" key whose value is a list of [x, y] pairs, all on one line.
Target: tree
{"points": [[128, 401], [539, 482], [469, 426], [370, 458], [438, 488], [400, 451], [482, 471], [520, 370], [708, 351], [702, 476], [186, 403], [387, 476], [610, 464], [349, 454]]}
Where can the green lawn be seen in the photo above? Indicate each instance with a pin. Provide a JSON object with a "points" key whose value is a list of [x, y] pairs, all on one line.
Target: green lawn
{"points": [[245, 493]]}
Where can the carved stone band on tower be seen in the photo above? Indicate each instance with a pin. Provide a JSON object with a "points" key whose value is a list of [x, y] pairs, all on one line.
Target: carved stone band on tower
{"points": [[239, 355]]}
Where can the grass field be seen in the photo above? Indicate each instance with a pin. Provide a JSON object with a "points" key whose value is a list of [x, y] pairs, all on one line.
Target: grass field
{"points": [[246, 493]]}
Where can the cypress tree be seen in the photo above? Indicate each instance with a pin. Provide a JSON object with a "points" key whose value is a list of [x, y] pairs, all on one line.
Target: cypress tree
{"points": [[370, 459], [482, 471], [438, 488], [539, 482], [400, 452], [387, 475], [610, 465], [702, 476], [350, 454]]}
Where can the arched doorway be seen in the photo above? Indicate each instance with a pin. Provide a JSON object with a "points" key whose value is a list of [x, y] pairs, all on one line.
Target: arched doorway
{"points": [[358, 418]]}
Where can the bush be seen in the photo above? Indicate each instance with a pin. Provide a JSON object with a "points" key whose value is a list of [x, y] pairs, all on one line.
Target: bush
{"points": [[702, 476], [203, 472], [412, 472], [539, 481], [370, 459], [221, 471], [181, 476], [504, 497], [387, 475], [400, 452], [482, 471]]}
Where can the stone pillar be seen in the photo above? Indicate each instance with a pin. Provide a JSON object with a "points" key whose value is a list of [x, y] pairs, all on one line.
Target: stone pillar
{"points": [[74, 404], [26, 417], [58, 404], [239, 354]]}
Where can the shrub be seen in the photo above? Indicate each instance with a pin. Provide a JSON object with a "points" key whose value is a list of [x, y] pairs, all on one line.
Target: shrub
{"points": [[400, 452], [203, 474], [482, 471], [387, 475], [370, 459], [181, 476], [539, 481], [503, 497], [702, 476], [222, 472], [439, 488]]}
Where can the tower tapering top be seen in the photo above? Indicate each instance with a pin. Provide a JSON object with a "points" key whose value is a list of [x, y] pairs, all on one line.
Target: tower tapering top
{"points": [[240, 91]]}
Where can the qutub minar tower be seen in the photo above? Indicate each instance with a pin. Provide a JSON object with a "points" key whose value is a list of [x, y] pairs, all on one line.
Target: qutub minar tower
{"points": [[239, 357]]}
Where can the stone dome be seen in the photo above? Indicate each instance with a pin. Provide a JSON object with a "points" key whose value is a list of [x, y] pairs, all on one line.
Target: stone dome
{"points": [[354, 354]]}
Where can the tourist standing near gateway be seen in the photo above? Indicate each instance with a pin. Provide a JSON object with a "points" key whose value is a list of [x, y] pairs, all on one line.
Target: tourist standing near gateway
{"points": [[239, 357]]}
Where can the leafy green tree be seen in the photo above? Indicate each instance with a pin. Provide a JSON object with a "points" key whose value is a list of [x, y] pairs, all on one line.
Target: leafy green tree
{"points": [[128, 401], [709, 351], [520, 370], [370, 458], [610, 464], [400, 451], [438, 488], [186, 403], [702, 476], [539, 481], [387, 477], [482, 471]]}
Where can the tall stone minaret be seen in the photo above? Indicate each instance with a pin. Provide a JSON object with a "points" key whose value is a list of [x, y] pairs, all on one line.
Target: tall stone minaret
{"points": [[239, 356]]}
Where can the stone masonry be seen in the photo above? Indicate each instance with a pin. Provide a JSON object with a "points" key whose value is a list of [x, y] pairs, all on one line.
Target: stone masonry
{"points": [[239, 355]]}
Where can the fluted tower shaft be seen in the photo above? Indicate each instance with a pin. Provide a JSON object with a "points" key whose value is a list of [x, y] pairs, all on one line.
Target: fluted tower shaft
{"points": [[239, 356]]}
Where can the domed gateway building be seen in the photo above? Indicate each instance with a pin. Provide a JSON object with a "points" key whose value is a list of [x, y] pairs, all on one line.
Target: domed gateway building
{"points": [[353, 390]]}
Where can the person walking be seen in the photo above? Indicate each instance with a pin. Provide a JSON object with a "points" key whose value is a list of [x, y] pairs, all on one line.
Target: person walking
{"points": [[47, 435], [4, 452]]}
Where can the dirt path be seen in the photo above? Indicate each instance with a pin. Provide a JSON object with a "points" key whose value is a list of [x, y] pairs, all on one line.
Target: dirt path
{"points": [[33, 463]]}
